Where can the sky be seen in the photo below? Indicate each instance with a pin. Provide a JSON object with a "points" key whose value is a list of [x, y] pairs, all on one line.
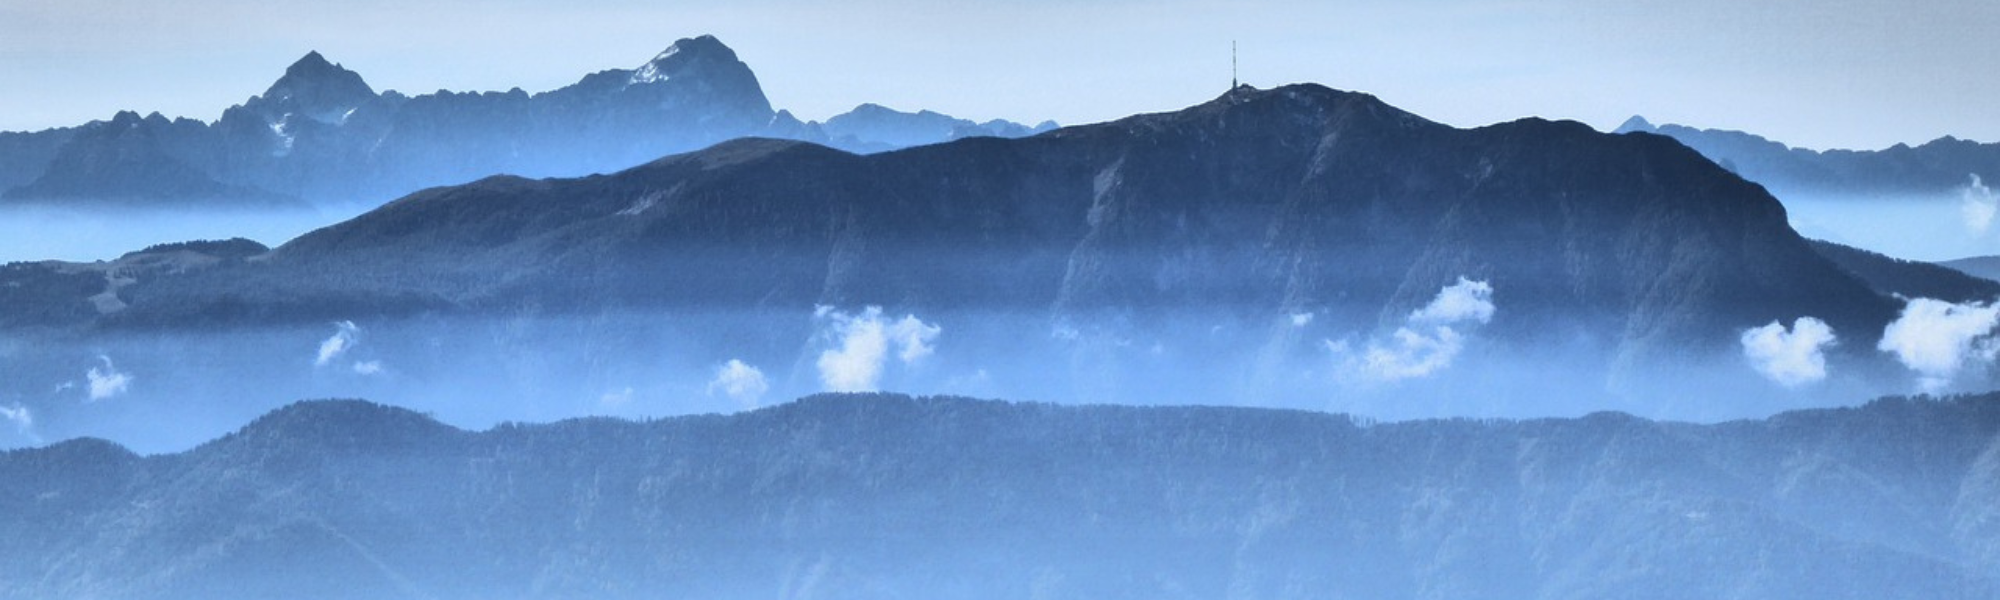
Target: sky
{"points": [[1822, 74]]}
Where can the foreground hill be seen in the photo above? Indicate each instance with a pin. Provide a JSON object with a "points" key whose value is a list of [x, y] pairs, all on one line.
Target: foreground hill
{"points": [[1258, 204], [883, 496]]}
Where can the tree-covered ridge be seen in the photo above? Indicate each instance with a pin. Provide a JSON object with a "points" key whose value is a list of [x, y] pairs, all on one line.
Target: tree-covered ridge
{"points": [[893, 496]]}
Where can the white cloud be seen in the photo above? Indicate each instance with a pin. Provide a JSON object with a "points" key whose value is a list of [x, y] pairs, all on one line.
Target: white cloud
{"points": [[1429, 338], [1411, 354], [343, 339], [368, 367], [914, 337], [862, 343], [1466, 300], [1302, 319], [1937, 338], [1978, 203], [740, 382], [106, 381], [22, 418], [1789, 357]]}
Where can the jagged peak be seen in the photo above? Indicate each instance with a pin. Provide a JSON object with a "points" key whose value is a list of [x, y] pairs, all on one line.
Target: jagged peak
{"points": [[311, 62], [314, 67], [316, 87], [682, 54]]}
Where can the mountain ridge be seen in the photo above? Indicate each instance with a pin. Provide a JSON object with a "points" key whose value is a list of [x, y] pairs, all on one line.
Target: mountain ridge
{"points": [[320, 134], [830, 493], [1289, 200], [1940, 166]]}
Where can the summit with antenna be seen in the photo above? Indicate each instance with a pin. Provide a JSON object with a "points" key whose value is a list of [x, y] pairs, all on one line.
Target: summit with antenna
{"points": [[1232, 64]]}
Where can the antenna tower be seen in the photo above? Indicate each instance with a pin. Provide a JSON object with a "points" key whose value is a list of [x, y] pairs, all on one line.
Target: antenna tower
{"points": [[1232, 64]]}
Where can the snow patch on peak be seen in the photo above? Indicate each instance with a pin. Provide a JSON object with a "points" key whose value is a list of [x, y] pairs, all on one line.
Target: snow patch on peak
{"points": [[677, 58], [652, 71]]}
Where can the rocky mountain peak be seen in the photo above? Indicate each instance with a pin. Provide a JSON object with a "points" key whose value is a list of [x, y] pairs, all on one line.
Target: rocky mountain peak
{"points": [[314, 87], [687, 56]]}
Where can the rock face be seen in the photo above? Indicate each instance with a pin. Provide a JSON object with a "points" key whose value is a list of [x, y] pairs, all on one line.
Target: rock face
{"points": [[886, 496], [321, 135], [139, 161]]}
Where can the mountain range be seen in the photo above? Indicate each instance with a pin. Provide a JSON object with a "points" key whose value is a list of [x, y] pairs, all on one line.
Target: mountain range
{"points": [[1270, 247], [321, 135], [887, 496], [1939, 167]]}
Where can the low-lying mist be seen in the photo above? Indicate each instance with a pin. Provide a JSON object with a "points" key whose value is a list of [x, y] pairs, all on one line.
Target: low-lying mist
{"points": [[1935, 227], [166, 391]]}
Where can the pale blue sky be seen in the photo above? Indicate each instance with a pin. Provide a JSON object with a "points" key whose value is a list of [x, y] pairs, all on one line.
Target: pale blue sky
{"points": [[1820, 73]]}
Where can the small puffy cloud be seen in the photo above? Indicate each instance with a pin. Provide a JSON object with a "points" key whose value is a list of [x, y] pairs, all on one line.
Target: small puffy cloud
{"points": [[1464, 301], [1429, 338], [106, 381], [1791, 357], [913, 337], [740, 382], [368, 367], [1410, 354], [22, 418], [1302, 319], [862, 344], [344, 337], [1978, 203], [1937, 338]]}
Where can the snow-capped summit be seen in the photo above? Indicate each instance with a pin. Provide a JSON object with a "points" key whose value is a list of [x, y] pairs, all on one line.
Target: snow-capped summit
{"points": [[684, 56]]}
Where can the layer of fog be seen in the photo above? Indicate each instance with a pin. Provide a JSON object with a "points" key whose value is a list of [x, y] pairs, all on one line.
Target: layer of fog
{"points": [[1944, 226], [163, 392]]}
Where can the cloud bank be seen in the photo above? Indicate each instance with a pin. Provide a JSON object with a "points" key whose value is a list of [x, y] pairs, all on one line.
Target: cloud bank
{"points": [[1937, 339], [740, 382], [106, 381], [862, 345], [1791, 357]]}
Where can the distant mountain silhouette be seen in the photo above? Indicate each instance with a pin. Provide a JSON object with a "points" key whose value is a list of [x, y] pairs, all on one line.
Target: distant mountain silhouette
{"points": [[886, 496], [1983, 267], [1951, 282], [876, 128], [320, 134], [1938, 167]]}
